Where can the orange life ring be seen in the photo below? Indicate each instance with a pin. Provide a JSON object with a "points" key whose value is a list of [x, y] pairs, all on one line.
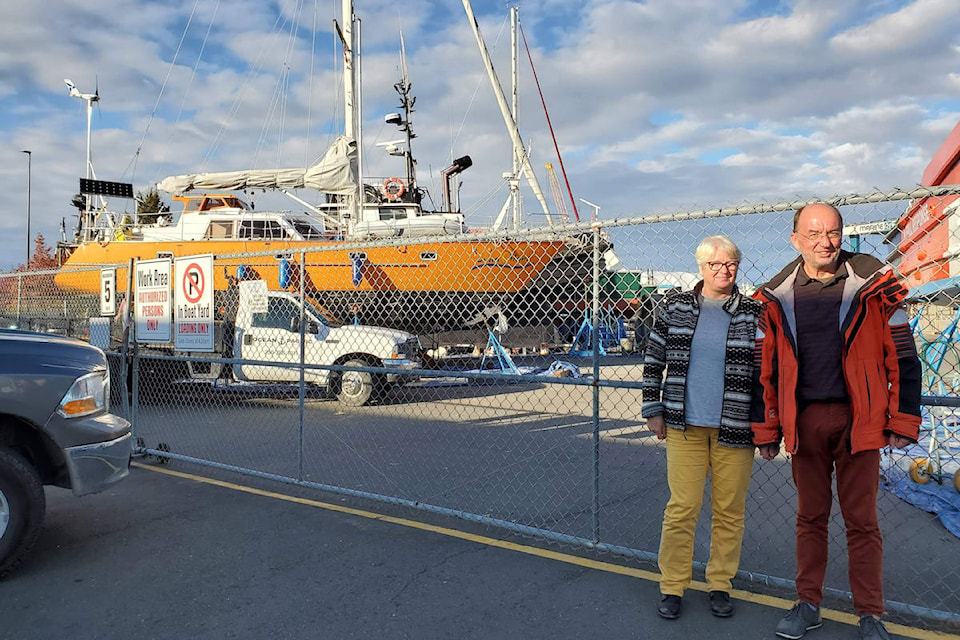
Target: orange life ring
{"points": [[393, 188]]}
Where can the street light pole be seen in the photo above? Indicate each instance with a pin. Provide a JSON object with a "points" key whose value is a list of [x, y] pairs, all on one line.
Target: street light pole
{"points": [[29, 172]]}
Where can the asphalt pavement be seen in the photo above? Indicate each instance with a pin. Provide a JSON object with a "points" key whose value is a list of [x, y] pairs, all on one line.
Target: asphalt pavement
{"points": [[178, 551]]}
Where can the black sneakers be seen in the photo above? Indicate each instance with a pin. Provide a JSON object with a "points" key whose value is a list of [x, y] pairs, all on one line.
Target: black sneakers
{"points": [[669, 607], [720, 604]]}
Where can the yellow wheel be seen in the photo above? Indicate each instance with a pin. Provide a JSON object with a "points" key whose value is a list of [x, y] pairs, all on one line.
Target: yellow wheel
{"points": [[921, 470]]}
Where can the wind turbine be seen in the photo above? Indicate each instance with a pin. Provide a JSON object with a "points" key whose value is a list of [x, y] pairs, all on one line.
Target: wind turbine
{"points": [[90, 98]]}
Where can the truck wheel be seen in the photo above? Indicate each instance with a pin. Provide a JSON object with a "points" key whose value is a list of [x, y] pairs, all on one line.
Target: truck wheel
{"points": [[354, 388], [22, 504]]}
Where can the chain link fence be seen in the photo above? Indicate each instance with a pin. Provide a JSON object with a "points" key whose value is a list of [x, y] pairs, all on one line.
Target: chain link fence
{"points": [[496, 378]]}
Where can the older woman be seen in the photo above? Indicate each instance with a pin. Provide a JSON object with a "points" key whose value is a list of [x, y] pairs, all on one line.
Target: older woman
{"points": [[704, 338]]}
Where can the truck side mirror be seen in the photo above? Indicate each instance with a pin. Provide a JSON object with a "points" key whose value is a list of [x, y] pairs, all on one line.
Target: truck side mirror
{"points": [[312, 326]]}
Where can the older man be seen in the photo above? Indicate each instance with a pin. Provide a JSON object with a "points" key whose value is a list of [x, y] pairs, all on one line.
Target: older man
{"points": [[841, 380]]}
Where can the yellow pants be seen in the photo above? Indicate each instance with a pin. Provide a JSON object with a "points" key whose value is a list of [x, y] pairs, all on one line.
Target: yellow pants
{"points": [[690, 454]]}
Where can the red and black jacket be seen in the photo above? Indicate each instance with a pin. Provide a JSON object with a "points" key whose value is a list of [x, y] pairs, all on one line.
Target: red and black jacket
{"points": [[880, 364]]}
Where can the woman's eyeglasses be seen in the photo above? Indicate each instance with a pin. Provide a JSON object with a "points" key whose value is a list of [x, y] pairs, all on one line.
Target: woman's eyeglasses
{"points": [[716, 266]]}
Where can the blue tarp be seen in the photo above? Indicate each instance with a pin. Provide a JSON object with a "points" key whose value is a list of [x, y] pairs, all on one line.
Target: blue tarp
{"points": [[932, 497], [559, 368], [940, 499]]}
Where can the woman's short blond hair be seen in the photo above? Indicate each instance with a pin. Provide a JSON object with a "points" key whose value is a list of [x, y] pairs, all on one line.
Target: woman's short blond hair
{"points": [[711, 244]]}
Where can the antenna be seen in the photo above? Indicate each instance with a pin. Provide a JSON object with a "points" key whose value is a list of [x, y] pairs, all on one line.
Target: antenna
{"points": [[391, 147]]}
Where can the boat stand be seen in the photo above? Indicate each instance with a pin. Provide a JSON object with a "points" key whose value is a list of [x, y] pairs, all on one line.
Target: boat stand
{"points": [[944, 422], [585, 336], [503, 357]]}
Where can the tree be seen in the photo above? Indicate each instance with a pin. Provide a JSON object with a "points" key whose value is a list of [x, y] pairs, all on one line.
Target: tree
{"points": [[150, 206], [31, 292], [42, 257]]}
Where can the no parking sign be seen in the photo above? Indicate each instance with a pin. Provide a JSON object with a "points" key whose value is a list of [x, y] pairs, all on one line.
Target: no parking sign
{"points": [[193, 303]]}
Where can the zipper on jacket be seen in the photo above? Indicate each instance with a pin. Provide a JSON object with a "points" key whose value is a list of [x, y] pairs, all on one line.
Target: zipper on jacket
{"points": [[771, 298]]}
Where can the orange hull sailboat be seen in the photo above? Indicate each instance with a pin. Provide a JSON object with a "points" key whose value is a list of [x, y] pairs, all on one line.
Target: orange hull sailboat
{"points": [[442, 278]]}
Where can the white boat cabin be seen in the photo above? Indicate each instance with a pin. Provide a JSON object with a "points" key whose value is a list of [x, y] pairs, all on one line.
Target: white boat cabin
{"points": [[218, 216]]}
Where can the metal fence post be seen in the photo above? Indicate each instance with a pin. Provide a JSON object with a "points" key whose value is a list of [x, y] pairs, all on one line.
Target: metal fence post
{"points": [[303, 336], [19, 301], [596, 383]]}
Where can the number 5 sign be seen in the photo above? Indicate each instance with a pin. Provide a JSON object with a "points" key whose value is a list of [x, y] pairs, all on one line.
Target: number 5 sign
{"points": [[108, 292]]}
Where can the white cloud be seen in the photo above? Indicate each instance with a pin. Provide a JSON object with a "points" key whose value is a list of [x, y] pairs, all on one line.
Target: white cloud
{"points": [[816, 96], [915, 25]]}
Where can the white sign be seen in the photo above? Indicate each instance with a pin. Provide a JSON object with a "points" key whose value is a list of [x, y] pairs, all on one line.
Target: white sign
{"points": [[108, 292], [862, 229], [193, 303], [152, 300], [254, 295]]}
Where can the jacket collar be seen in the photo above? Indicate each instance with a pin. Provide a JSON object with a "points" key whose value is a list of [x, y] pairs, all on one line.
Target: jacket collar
{"points": [[861, 267], [862, 270], [730, 305]]}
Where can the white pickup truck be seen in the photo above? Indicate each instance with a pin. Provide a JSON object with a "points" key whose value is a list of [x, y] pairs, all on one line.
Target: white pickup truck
{"points": [[267, 327], [263, 328]]}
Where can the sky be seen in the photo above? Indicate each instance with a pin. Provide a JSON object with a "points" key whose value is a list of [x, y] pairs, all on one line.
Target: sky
{"points": [[657, 106]]}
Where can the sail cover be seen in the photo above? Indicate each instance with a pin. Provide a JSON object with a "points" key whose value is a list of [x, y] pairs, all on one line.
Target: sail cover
{"points": [[335, 173]]}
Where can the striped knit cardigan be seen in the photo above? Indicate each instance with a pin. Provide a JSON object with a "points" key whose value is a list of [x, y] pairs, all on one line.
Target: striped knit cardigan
{"points": [[668, 347]]}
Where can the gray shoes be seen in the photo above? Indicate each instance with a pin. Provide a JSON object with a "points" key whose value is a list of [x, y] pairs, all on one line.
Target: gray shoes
{"points": [[872, 629], [802, 618]]}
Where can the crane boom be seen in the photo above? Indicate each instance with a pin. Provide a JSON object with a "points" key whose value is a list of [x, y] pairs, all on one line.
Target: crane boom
{"points": [[557, 192]]}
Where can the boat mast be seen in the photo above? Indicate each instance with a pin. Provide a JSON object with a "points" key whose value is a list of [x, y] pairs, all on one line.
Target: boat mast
{"points": [[351, 127], [514, 82], [508, 118], [406, 103], [512, 203]]}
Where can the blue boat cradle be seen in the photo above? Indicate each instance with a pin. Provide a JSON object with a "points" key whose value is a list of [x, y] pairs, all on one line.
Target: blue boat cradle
{"points": [[611, 330], [504, 361]]}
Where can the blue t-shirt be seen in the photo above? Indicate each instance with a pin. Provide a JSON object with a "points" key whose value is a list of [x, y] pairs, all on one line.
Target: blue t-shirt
{"points": [[703, 398]]}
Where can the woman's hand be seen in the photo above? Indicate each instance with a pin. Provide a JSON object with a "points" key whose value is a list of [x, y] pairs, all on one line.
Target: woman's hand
{"points": [[657, 425], [769, 451]]}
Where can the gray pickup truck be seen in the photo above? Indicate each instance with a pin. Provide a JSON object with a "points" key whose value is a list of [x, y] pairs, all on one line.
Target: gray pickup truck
{"points": [[55, 429]]}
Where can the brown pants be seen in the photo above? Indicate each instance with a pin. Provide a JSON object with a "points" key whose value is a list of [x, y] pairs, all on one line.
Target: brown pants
{"points": [[824, 441]]}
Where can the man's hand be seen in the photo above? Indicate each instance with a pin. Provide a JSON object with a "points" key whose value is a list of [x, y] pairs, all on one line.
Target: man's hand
{"points": [[769, 451], [898, 442], [658, 426]]}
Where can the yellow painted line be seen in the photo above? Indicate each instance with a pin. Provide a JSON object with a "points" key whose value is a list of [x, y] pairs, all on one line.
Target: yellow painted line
{"points": [[747, 596]]}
